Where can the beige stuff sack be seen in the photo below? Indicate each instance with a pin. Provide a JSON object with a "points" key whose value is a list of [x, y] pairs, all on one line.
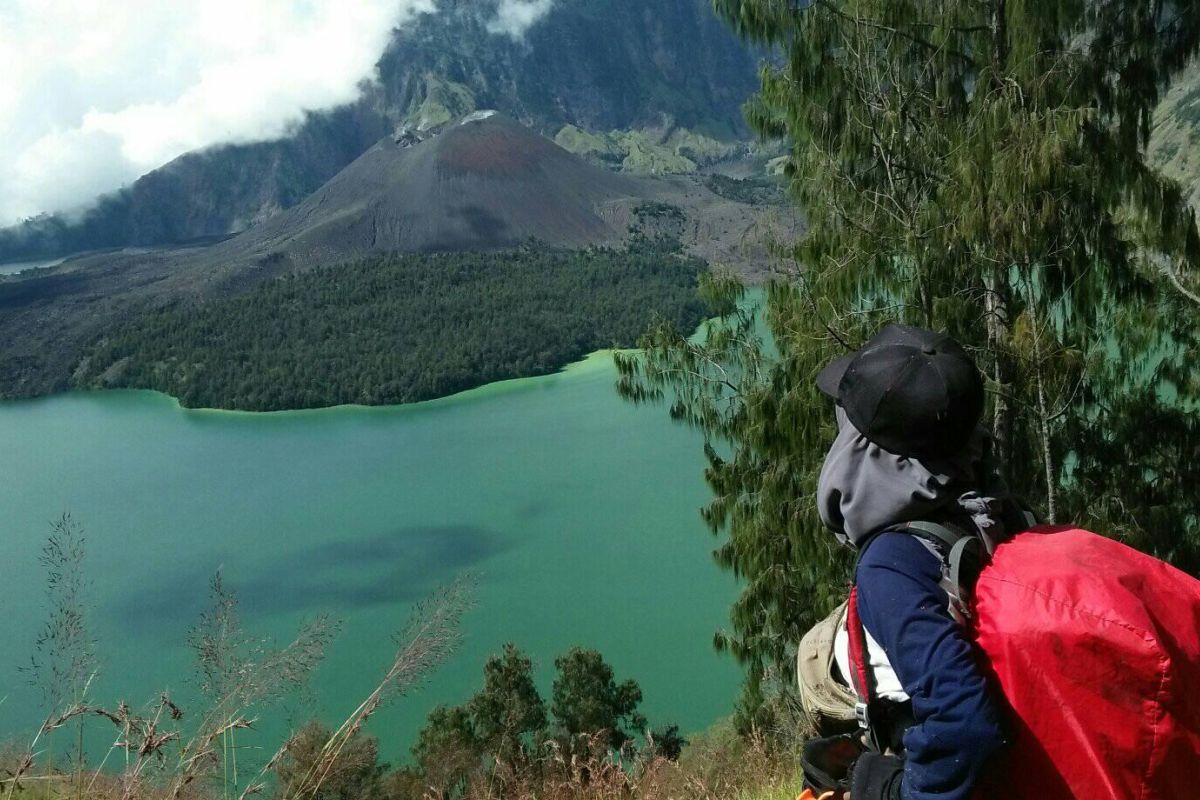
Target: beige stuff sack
{"points": [[828, 702]]}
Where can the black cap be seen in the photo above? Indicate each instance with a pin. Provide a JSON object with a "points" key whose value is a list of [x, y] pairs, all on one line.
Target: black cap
{"points": [[911, 391]]}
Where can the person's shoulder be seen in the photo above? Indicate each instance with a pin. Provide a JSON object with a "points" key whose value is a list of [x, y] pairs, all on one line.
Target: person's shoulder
{"points": [[897, 551], [897, 571]]}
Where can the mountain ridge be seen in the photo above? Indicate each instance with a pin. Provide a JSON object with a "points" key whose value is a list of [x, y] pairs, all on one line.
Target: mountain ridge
{"points": [[598, 64]]}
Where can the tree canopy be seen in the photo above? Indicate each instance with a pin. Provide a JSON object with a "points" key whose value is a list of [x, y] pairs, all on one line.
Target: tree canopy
{"points": [[399, 328], [504, 732], [508, 712], [587, 698], [975, 167]]}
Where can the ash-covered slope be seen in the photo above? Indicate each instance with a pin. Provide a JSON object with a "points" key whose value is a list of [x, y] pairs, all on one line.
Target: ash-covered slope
{"points": [[481, 184]]}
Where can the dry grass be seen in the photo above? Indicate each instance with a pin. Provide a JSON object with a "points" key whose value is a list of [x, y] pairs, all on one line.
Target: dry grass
{"points": [[155, 754], [720, 765], [431, 635]]}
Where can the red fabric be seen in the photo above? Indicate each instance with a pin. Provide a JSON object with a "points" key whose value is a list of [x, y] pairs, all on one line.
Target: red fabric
{"points": [[1096, 648], [858, 649]]}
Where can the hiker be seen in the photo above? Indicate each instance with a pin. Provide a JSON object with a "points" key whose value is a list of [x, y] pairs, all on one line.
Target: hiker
{"points": [[988, 656], [909, 448]]}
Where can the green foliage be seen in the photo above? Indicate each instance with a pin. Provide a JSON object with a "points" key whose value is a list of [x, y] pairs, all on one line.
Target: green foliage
{"points": [[508, 713], [656, 211], [400, 328], [439, 103], [977, 167], [588, 700], [447, 753], [766, 190], [500, 737], [355, 775], [667, 742]]}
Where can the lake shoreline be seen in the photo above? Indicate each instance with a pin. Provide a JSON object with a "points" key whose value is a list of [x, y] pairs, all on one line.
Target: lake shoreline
{"points": [[589, 361]]}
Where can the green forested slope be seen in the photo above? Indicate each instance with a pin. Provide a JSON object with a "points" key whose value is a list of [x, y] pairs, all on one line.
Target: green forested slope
{"points": [[399, 328]]}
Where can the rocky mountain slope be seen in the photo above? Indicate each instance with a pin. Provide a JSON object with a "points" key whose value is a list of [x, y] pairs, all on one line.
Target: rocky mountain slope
{"points": [[487, 182], [596, 65], [1175, 140]]}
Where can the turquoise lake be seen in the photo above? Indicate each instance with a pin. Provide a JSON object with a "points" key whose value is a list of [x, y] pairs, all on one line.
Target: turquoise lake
{"points": [[578, 512]]}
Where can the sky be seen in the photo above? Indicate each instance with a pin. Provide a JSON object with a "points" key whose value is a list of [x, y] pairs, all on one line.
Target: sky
{"points": [[95, 93]]}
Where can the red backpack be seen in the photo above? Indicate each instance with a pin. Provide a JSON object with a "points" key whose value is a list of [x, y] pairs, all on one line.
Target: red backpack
{"points": [[1096, 649]]}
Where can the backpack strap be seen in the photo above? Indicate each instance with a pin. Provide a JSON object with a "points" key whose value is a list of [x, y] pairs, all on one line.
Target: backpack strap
{"points": [[861, 676], [943, 537], [962, 554], [860, 671], [882, 721]]}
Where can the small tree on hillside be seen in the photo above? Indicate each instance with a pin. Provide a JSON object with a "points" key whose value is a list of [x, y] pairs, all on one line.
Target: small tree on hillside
{"points": [[587, 700], [446, 756], [508, 713], [356, 775]]}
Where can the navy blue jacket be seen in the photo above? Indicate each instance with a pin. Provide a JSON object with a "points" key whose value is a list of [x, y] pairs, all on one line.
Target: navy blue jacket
{"points": [[903, 607]]}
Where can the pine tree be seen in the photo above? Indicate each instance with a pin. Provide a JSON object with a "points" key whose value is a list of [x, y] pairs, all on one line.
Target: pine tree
{"points": [[587, 700], [508, 713], [976, 166]]}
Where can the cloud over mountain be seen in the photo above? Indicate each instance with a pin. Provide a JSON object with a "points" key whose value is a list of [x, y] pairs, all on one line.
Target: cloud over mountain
{"points": [[515, 17], [97, 93]]}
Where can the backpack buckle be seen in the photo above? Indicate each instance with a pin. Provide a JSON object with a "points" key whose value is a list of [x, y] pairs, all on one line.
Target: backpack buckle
{"points": [[863, 715]]}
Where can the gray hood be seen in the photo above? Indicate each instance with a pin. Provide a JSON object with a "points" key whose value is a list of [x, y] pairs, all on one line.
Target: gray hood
{"points": [[864, 488]]}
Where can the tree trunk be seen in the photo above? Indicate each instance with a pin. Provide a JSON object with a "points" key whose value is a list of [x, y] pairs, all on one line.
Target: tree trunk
{"points": [[999, 26], [1047, 457], [1039, 368], [996, 308], [996, 301]]}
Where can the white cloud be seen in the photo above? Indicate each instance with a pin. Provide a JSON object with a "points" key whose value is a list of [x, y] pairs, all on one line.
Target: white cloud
{"points": [[515, 17], [96, 93]]}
